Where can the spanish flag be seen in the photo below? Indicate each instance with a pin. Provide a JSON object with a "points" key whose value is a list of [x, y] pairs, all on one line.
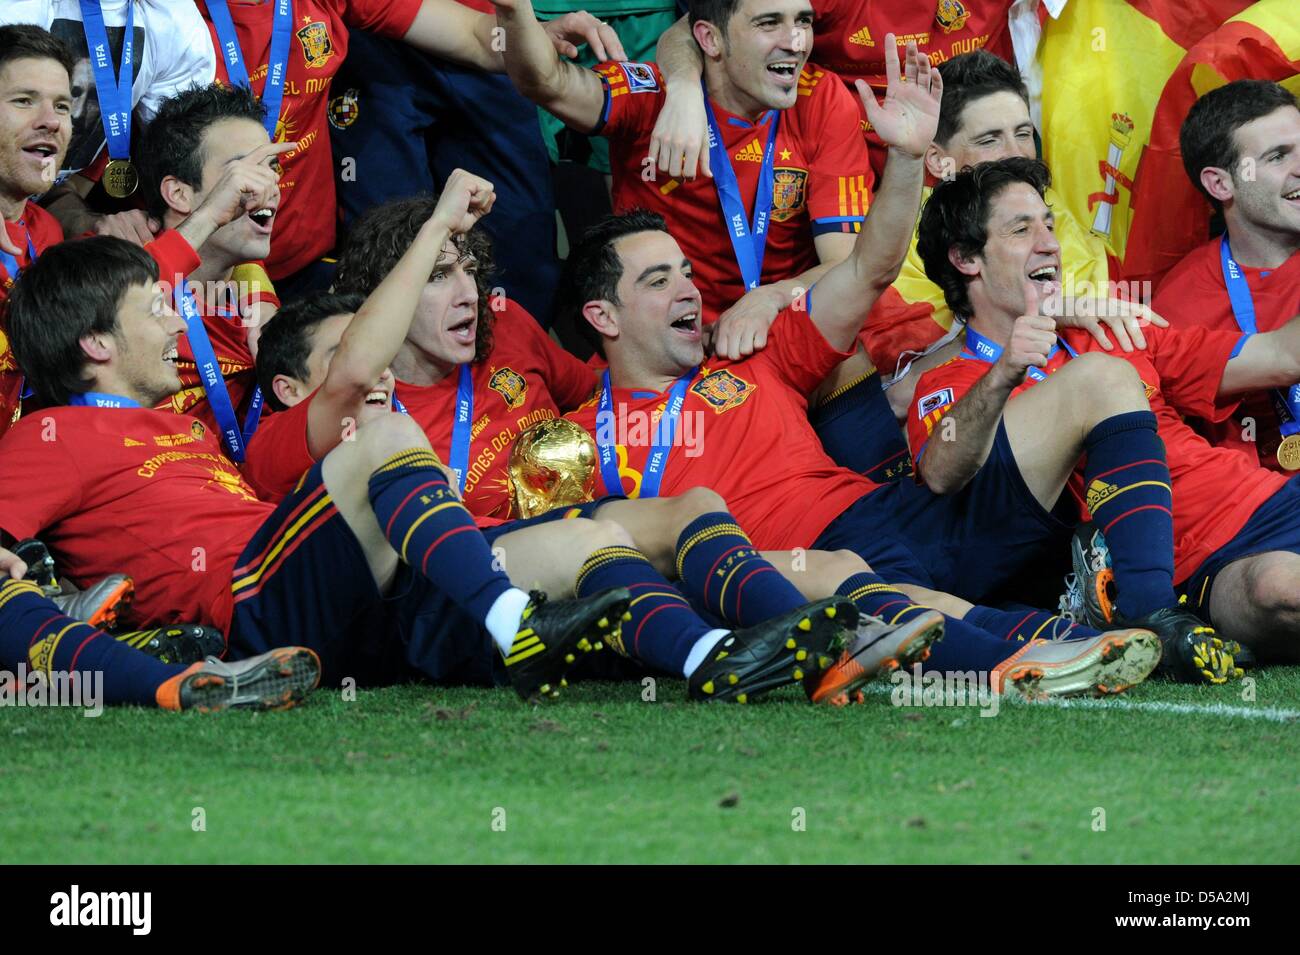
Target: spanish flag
{"points": [[1104, 65], [1169, 216]]}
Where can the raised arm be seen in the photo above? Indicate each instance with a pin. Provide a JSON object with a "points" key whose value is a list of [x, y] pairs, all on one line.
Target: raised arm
{"points": [[538, 71], [1267, 360], [906, 122], [380, 326], [450, 30]]}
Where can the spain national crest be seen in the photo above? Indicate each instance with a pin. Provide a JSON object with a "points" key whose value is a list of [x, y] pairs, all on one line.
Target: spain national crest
{"points": [[510, 385], [789, 193], [344, 108], [317, 47], [197, 429], [723, 390], [951, 15]]}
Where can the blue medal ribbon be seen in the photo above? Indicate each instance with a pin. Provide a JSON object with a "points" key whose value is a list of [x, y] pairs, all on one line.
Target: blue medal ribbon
{"points": [[100, 399], [748, 238], [113, 92], [277, 63], [1286, 402], [460, 428], [660, 449], [988, 351], [214, 385], [461, 424]]}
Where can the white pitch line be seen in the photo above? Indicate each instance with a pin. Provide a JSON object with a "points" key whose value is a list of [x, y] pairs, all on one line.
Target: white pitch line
{"points": [[1272, 713]]}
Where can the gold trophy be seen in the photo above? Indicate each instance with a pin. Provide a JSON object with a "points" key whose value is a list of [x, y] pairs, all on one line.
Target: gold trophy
{"points": [[552, 464]]}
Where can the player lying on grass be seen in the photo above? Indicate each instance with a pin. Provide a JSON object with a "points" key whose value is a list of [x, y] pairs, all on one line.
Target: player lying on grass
{"points": [[329, 369], [1020, 384], [34, 634], [112, 482]]}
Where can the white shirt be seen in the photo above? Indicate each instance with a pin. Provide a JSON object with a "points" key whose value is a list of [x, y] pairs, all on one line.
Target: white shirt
{"points": [[173, 51]]}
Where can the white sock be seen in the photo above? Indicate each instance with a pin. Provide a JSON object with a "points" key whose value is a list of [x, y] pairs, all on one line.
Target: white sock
{"points": [[701, 650], [504, 617]]}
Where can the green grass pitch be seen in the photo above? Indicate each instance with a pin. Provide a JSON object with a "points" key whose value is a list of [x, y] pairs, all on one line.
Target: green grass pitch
{"points": [[418, 774]]}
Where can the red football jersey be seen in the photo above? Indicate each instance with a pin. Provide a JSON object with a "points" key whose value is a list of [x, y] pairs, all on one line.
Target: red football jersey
{"points": [[307, 217], [176, 259], [1193, 294], [525, 379], [849, 38], [822, 178], [744, 432], [44, 231], [133, 491], [1215, 490], [278, 455]]}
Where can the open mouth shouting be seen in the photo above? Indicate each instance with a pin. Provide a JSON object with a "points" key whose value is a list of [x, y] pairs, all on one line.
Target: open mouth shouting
{"points": [[1046, 279], [463, 332], [688, 325], [785, 72], [263, 220]]}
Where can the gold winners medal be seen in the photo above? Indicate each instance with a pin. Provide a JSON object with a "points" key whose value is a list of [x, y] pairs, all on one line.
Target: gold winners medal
{"points": [[552, 464], [120, 178], [1288, 452]]}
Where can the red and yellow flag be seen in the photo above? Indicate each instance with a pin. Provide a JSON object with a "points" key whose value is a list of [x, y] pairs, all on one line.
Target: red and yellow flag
{"points": [[1105, 64], [1170, 217]]}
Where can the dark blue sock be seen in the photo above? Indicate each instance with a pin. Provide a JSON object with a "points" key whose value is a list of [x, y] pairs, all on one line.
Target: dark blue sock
{"points": [[721, 569], [663, 628], [431, 530], [35, 634], [1019, 626], [1128, 494], [873, 596]]}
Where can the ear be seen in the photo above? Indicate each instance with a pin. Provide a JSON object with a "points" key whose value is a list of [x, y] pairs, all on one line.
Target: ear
{"points": [[600, 316], [966, 265], [1217, 182], [709, 37], [287, 390], [97, 347], [938, 163], [178, 195]]}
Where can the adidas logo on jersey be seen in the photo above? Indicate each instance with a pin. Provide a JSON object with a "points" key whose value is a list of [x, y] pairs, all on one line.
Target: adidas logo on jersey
{"points": [[862, 38], [752, 152], [1099, 492]]}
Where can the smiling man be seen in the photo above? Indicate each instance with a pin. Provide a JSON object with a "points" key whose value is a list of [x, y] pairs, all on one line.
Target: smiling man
{"points": [[1019, 395], [206, 147], [35, 126], [1241, 148], [791, 176]]}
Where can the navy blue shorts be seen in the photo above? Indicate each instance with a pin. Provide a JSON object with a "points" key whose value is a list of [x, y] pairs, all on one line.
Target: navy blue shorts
{"points": [[1275, 526], [444, 644], [858, 430], [989, 541], [303, 580]]}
